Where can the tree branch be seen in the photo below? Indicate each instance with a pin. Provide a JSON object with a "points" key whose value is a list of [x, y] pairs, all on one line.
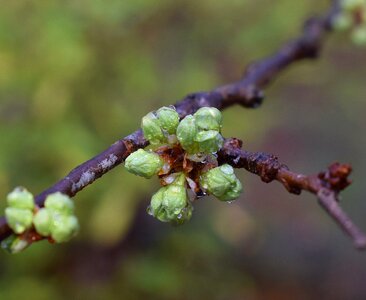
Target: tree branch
{"points": [[246, 92], [325, 185]]}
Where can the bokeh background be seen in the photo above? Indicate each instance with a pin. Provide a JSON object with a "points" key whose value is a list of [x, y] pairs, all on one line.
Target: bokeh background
{"points": [[76, 75]]}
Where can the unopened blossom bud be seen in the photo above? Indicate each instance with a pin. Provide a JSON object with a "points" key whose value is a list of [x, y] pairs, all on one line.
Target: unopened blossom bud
{"points": [[143, 163], [14, 244], [170, 203], [168, 119], [222, 183], [359, 35], [208, 118], [152, 130], [343, 21], [64, 228], [43, 221], [186, 134], [18, 219], [209, 141], [155, 208], [59, 202], [174, 200], [20, 198], [351, 4]]}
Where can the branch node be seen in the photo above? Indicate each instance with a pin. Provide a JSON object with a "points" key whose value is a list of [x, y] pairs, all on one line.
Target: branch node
{"points": [[336, 177]]}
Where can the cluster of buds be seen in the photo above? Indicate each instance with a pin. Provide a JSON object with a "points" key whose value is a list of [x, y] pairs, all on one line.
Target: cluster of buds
{"points": [[57, 218], [183, 155], [353, 17], [55, 221]]}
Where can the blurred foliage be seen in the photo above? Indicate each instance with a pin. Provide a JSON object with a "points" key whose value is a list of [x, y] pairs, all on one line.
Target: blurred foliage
{"points": [[77, 75]]}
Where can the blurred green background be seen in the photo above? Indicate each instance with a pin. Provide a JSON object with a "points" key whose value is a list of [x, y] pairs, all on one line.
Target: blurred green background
{"points": [[76, 75]]}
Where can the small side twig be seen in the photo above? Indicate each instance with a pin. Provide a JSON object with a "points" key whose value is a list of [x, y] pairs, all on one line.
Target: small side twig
{"points": [[325, 185]]}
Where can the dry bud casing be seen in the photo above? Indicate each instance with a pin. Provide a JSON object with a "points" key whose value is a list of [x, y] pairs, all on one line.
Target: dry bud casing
{"points": [[143, 163], [222, 183]]}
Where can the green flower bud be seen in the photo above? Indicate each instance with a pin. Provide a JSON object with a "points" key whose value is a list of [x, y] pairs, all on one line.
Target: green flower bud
{"points": [[155, 209], [151, 129], [186, 133], [18, 219], [233, 193], [168, 119], [170, 203], [343, 21], [209, 141], [59, 202], [20, 198], [174, 200], [222, 183], [14, 244], [144, 163], [43, 221], [359, 35], [64, 227], [351, 4], [208, 118]]}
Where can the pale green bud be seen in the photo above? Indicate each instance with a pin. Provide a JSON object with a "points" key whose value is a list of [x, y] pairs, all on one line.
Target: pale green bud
{"points": [[59, 202], [186, 133], [155, 209], [168, 119], [343, 21], [14, 244], [43, 221], [170, 203], [209, 141], [174, 200], [18, 219], [222, 183], [152, 130], [208, 118], [143, 163], [359, 35], [20, 198], [351, 4], [64, 228]]}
